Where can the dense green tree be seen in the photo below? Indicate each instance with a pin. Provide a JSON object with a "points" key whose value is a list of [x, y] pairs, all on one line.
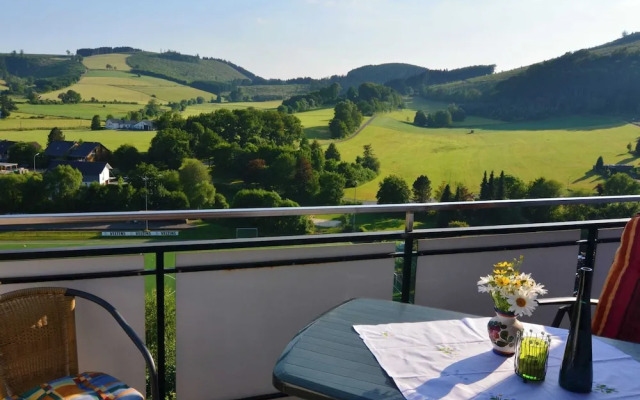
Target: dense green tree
{"points": [[305, 183], [12, 189], [637, 148], [332, 152], [125, 158], [457, 113], [538, 189], [393, 190], [348, 119], [331, 189], [95, 123], [170, 147], [420, 118], [62, 184], [6, 106], [22, 153], [620, 184], [369, 159], [421, 189], [442, 119], [317, 156], [70, 97], [196, 184], [258, 198], [152, 109], [55, 135]]}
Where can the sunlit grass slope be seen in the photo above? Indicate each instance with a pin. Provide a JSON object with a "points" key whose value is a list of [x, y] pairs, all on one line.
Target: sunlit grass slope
{"points": [[81, 110], [560, 149], [127, 87], [119, 61]]}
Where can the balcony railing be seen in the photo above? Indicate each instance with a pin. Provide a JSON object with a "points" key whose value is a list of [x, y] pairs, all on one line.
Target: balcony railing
{"points": [[239, 301]]}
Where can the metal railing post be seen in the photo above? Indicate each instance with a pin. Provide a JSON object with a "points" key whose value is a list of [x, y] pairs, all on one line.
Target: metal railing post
{"points": [[592, 243], [160, 327], [407, 275]]}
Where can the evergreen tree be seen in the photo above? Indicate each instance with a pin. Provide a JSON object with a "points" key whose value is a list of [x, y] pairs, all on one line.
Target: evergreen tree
{"points": [[500, 190], [55, 135], [421, 189], [491, 188], [600, 162], [332, 152], [484, 186], [95, 123]]}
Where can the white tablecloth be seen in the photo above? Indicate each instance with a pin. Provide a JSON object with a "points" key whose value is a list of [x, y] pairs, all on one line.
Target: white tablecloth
{"points": [[453, 360]]}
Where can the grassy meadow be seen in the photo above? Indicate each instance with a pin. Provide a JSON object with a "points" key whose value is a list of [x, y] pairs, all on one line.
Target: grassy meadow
{"points": [[560, 149], [119, 61], [123, 86], [80, 110], [3, 85]]}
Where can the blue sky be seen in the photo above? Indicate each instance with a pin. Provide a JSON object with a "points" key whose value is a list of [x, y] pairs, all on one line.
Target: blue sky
{"points": [[319, 38]]}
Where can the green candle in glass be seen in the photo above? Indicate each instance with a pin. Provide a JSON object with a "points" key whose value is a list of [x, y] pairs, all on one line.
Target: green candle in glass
{"points": [[532, 353]]}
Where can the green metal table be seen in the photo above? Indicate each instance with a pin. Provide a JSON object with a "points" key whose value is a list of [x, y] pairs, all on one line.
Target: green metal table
{"points": [[328, 360]]}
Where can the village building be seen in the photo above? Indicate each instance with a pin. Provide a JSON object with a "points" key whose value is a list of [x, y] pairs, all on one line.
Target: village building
{"points": [[91, 171], [144, 125], [83, 151]]}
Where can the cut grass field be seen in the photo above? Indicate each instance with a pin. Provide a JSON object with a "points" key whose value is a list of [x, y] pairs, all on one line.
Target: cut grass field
{"points": [[197, 109], [123, 86], [80, 110], [119, 61], [560, 149], [19, 121]]}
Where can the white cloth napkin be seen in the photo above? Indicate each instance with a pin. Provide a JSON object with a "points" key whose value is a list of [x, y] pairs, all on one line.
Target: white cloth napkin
{"points": [[453, 360]]}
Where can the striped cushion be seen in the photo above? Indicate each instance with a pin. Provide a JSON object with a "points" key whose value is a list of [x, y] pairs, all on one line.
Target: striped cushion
{"points": [[84, 386], [618, 312]]}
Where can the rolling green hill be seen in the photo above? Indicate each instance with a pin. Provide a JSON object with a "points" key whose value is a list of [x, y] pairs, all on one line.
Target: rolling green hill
{"points": [[48, 72], [183, 68], [603, 80]]}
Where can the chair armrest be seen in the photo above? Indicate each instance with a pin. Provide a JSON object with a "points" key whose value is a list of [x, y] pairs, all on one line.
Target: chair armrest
{"points": [[566, 304]]}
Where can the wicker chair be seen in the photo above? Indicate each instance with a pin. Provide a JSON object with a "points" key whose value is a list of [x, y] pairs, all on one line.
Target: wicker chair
{"points": [[38, 346], [617, 313]]}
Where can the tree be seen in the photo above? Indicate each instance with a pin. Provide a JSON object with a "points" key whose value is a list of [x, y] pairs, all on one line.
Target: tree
{"points": [[421, 189], [62, 184], [369, 160], [95, 123], [331, 189], [196, 184], [258, 198], [457, 113], [393, 190], [55, 135], [170, 147], [620, 184], [22, 153], [152, 108], [332, 152], [420, 119], [637, 148], [346, 119], [317, 156], [6, 106], [538, 189], [70, 97], [125, 158], [442, 119], [600, 162]]}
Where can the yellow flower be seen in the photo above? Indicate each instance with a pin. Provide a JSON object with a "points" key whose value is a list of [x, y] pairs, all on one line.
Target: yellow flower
{"points": [[502, 281], [503, 264]]}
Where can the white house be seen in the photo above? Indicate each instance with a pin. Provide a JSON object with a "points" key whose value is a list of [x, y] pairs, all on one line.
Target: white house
{"points": [[144, 125], [91, 171]]}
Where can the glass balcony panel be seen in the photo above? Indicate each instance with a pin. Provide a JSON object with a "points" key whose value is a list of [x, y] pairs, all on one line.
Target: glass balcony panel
{"points": [[604, 259], [233, 324], [450, 281], [102, 345]]}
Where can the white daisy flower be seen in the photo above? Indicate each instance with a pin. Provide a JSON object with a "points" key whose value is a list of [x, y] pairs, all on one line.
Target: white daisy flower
{"points": [[522, 302]]}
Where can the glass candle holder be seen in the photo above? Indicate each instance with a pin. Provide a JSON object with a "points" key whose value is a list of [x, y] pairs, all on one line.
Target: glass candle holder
{"points": [[532, 355]]}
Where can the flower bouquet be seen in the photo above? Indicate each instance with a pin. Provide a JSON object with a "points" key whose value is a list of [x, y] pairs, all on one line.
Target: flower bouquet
{"points": [[514, 294]]}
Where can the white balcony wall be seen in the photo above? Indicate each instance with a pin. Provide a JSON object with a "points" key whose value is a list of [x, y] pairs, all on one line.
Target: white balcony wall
{"points": [[605, 253], [102, 344], [232, 325], [450, 281]]}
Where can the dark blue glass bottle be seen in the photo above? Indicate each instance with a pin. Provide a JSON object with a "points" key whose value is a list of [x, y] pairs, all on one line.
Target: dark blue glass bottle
{"points": [[576, 373]]}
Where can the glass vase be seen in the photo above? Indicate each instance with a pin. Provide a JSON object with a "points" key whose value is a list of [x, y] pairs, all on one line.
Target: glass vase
{"points": [[576, 373], [503, 329]]}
